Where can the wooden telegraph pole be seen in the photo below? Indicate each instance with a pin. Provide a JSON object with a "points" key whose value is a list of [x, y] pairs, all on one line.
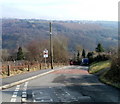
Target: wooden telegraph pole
{"points": [[51, 47]]}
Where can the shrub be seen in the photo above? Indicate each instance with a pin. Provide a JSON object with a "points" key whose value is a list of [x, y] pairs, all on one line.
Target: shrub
{"points": [[99, 58], [114, 73]]}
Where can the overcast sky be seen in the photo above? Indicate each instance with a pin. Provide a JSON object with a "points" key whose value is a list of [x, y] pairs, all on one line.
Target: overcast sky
{"points": [[61, 9]]}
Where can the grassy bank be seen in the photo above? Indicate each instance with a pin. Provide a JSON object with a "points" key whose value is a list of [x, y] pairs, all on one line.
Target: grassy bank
{"points": [[96, 67], [110, 77], [108, 81]]}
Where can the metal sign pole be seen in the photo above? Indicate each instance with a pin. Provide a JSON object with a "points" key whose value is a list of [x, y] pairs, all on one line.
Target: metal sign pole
{"points": [[45, 55], [45, 63]]}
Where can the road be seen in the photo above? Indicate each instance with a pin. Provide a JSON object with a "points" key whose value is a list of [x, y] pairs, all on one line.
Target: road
{"points": [[72, 84]]}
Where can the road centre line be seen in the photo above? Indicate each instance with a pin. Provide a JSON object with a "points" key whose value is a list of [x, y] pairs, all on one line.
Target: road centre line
{"points": [[14, 95], [13, 99], [16, 90], [24, 93]]}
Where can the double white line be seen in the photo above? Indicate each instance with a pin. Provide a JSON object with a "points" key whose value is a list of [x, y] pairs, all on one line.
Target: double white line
{"points": [[13, 99], [24, 93]]}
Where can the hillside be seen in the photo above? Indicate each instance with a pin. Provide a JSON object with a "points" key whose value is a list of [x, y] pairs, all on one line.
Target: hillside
{"points": [[86, 33]]}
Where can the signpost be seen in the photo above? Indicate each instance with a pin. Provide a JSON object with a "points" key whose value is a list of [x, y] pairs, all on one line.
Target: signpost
{"points": [[45, 55]]}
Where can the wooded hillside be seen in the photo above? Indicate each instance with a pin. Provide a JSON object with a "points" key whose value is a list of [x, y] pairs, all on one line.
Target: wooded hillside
{"points": [[85, 33]]}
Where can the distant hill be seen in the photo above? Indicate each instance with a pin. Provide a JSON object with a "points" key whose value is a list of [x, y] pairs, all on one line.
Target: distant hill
{"points": [[85, 33]]}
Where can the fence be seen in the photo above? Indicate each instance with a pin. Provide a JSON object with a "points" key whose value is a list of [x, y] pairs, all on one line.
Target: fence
{"points": [[17, 68]]}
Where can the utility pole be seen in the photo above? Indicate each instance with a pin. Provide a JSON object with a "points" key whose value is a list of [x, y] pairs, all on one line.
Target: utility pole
{"points": [[51, 47]]}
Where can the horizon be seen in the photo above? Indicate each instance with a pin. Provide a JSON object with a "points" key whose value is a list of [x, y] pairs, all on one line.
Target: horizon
{"points": [[93, 10], [60, 19]]}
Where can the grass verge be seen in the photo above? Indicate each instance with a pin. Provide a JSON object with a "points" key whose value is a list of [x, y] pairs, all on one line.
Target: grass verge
{"points": [[108, 81], [107, 76], [25, 70], [96, 67]]}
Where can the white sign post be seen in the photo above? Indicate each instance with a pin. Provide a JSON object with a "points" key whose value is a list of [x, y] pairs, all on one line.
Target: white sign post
{"points": [[45, 55]]}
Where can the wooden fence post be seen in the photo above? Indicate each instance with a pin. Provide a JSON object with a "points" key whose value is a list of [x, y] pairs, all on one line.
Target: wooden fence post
{"points": [[28, 67], [8, 70], [48, 65], [40, 65]]}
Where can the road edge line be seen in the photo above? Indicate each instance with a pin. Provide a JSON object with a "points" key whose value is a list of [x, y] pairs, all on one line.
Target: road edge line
{"points": [[24, 80]]}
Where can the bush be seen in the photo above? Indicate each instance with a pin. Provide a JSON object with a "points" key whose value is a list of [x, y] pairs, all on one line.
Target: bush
{"points": [[114, 73], [99, 58]]}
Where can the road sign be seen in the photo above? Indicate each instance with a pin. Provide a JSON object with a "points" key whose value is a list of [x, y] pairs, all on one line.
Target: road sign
{"points": [[45, 53]]}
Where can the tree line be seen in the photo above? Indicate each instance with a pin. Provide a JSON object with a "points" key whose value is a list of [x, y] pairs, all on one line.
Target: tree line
{"points": [[33, 51], [100, 54]]}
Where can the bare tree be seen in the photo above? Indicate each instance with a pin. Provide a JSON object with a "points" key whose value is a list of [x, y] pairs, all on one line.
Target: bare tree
{"points": [[60, 52], [60, 49], [35, 49], [5, 55]]}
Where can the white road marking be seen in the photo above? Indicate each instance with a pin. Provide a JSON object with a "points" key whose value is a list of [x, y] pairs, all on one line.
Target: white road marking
{"points": [[24, 100], [26, 83], [41, 92], [67, 93], [15, 93], [24, 93], [16, 89], [24, 96], [91, 83], [13, 99], [14, 96], [42, 100], [18, 86], [51, 99]]}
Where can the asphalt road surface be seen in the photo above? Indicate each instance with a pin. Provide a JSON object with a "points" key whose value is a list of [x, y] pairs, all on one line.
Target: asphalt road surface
{"points": [[69, 85]]}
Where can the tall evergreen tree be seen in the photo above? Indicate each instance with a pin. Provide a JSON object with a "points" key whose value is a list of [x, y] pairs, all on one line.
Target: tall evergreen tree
{"points": [[99, 48], [83, 53], [20, 55]]}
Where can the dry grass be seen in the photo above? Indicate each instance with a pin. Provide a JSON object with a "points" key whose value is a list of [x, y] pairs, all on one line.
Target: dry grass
{"points": [[25, 70]]}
